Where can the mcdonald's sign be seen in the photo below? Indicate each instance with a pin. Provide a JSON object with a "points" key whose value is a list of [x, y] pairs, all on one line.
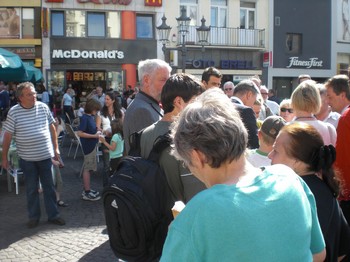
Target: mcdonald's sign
{"points": [[153, 2]]}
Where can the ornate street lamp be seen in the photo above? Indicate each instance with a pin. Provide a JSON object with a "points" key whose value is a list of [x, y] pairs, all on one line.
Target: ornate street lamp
{"points": [[183, 23], [203, 34], [163, 33]]}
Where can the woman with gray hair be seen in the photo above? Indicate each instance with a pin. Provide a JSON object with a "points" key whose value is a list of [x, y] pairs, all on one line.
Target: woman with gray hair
{"points": [[242, 216]]}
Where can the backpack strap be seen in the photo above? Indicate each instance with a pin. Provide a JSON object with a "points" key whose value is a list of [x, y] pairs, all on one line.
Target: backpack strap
{"points": [[160, 144], [135, 143]]}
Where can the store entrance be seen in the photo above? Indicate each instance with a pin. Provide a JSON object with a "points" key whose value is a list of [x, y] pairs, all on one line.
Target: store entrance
{"points": [[83, 82]]}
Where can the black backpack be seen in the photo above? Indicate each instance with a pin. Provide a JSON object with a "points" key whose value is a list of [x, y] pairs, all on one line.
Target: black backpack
{"points": [[137, 204]]}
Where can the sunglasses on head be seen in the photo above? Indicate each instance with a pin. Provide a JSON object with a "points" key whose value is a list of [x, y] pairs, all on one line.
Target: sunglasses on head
{"points": [[290, 110]]}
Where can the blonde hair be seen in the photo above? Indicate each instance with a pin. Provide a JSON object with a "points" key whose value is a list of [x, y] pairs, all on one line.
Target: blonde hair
{"points": [[306, 97]]}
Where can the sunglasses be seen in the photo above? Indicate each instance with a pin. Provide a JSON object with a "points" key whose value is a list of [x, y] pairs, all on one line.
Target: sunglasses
{"points": [[228, 89], [290, 110]]}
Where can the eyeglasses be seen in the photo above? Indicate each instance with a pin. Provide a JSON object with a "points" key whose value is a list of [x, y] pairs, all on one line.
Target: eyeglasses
{"points": [[264, 93], [290, 110], [228, 89]]}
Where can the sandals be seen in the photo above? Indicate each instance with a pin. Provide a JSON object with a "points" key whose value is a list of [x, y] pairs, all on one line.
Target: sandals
{"points": [[61, 203]]}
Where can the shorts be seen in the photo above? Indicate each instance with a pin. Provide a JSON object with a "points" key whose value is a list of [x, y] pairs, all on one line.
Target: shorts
{"points": [[90, 161]]}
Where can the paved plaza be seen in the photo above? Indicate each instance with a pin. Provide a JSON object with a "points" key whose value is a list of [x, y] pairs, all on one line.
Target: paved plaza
{"points": [[84, 236]]}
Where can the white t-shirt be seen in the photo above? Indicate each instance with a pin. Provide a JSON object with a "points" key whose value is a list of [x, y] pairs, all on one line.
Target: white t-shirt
{"points": [[258, 158]]}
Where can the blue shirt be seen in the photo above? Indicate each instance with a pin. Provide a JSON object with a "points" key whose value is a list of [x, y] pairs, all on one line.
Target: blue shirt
{"points": [[270, 217], [88, 125]]}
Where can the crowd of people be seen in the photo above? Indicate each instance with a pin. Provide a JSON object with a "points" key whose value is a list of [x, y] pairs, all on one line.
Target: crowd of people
{"points": [[263, 178]]}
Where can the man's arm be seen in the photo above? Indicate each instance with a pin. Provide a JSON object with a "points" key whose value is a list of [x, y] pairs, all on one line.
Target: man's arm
{"points": [[54, 139], [5, 149]]}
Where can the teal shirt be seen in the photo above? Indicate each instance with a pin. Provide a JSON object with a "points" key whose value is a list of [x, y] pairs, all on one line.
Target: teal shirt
{"points": [[271, 217], [118, 152]]}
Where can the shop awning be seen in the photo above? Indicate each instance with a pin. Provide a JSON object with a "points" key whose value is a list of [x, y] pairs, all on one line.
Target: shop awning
{"points": [[33, 74], [11, 67]]}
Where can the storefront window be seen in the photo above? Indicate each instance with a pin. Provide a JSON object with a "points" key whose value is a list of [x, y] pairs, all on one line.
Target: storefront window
{"points": [[57, 23], [144, 26], [55, 86], [113, 24], [115, 81], [96, 24]]}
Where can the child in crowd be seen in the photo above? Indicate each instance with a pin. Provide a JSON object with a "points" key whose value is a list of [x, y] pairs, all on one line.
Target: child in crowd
{"points": [[116, 147], [89, 137], [267, 135], [81, 109]]}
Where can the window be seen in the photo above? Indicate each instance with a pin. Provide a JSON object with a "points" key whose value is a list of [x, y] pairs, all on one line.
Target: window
{"points": [[293, 44], [191, 7], [247, 15], [27, 23], [218, 13], [75, 23], [113, 25], [96, 24], [57, 23], [144, 26], [16, 22]]}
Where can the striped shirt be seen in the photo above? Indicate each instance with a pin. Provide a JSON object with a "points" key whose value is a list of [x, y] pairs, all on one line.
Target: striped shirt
{"points": [[30, 128]]}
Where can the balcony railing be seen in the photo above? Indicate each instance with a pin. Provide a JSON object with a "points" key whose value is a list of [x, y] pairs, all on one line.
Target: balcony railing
{"points": [[231, 37]]}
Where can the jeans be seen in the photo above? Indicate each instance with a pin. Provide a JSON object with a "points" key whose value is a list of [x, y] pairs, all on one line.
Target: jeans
{"points": [[33, 170]]}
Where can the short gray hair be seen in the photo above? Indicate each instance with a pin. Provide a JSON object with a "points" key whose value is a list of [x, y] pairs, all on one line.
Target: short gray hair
{"points": [[211, 125], [21, 86], [150, 66], [246, 86]]}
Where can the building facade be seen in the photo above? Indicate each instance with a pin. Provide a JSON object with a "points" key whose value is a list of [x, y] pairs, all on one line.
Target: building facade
{"points": [[306, 37], [90, 43], [20, 32], [237, 38]]}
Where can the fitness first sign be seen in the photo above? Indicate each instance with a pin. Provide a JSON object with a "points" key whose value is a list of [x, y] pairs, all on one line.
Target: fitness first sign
{"points": [[87, 54], [313, 62]]}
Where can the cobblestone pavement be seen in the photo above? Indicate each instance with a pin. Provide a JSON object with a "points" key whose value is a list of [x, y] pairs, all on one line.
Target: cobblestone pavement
{"points": [[84, 236]]}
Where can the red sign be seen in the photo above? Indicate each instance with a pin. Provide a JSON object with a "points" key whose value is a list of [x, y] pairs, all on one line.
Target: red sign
{"points": [[267, 59], [153, 2]]}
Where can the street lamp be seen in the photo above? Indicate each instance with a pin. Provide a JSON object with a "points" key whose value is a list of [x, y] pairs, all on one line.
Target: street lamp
{"points": [[183, 29], [203, 33], [163, 33]]}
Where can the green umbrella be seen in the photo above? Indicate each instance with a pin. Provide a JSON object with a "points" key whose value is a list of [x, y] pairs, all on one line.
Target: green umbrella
{"points": [[33, 74], [11, 67]]}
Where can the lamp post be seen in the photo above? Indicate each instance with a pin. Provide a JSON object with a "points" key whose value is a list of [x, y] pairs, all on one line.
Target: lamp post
{"points": [[183, 29], [203, 34]]}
